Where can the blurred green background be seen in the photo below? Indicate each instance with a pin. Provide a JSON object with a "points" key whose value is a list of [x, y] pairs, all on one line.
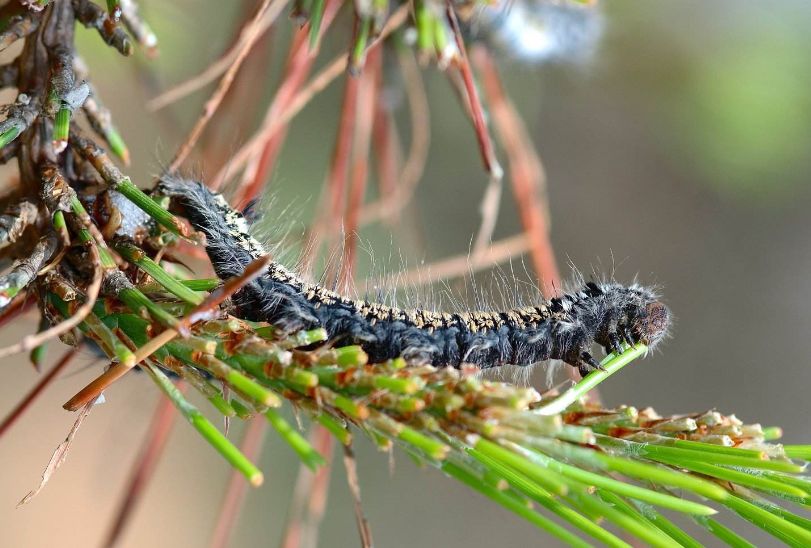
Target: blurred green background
{"points": [[679, 153]]}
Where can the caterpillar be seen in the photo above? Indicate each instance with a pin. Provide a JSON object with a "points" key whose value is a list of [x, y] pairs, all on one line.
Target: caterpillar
{"points": [[563, 328], [539, 31]]}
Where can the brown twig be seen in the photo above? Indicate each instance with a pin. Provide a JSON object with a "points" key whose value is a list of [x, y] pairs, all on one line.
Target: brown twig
{"points": [[94, 17], [29, 398], [18, 26], [387, 151], [526, 174], [319, 82], [138, 28], [492, 195], [248, 37], [460, 265], [351, 468], [388, 206], [309, 496], [251, 447], [216, 145], [163, 419], [59, 455], [9, 73], [299, 63], [15, 220], [328, 222], [366, 102], [19, 305], [30, 341], [208, 75]]}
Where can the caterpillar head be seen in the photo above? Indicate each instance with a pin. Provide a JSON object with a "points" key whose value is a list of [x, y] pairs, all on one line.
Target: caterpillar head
{"points": [[645, 318], [652, 323], [631, 314]]}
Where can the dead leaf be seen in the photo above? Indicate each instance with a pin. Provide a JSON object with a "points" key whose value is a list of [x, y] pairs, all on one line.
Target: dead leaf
{"points": [[60, 454]]}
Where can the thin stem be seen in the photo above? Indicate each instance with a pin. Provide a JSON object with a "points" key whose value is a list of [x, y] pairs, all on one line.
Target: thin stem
{"points": [[611, 364]]}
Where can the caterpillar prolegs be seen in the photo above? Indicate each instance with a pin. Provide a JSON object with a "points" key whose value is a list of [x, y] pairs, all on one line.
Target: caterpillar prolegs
{"points": [[563, 328]]}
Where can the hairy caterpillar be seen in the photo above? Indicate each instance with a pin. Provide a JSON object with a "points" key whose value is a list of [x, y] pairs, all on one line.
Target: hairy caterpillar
{"points": [[537, 31], [563, 328]]}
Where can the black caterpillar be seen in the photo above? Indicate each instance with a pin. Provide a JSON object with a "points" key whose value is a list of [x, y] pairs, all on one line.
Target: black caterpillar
{"points": [[563, 328]]}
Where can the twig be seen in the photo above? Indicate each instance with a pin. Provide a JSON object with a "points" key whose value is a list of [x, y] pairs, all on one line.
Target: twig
{"points": [[387, 150], [29, 398], [249, 35], [526, 173], [19, 26], [139, 29], [319, 82], [9, 152], [388, 206], [208, 75], [20, 115], [113, 177], [94, 17], [23, 271], [460, 265], [351, 468], [9, 73], [15, 220], [309, 496], [160, 427], [331, 209], [30, 341], [492, 195], [59, 455], [366, 102], [300, 61]]}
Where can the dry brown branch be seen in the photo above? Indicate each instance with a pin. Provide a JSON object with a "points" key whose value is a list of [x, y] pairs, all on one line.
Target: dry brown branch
{"points": [[492, 195], [59, 455], [24, 270], [351, 468], [526, 174], [319, 82], [209, 74], [460, 265], [327, 224], [298, 67], [15, 220], [94, 17], [387, 150], [359, 168], [138, 28], [249, 35], [388, 206], [309, 496], [18, 26], [30, 341], [18, 306]]}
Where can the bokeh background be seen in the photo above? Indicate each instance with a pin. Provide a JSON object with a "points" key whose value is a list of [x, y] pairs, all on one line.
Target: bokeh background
{"points": [[678, 153]]}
